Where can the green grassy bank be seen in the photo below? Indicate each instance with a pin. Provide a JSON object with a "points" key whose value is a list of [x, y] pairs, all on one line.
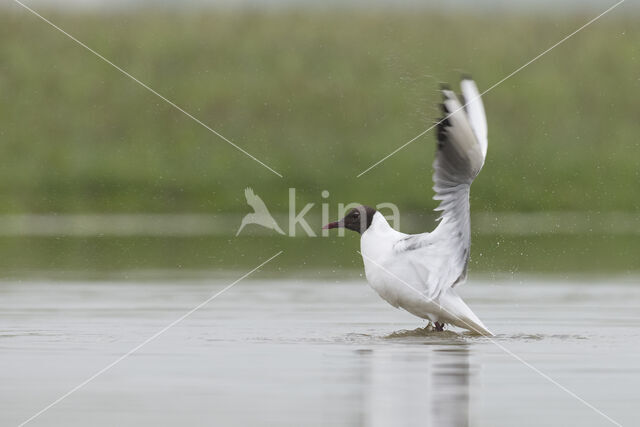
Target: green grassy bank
{"points": [[319, 97]]}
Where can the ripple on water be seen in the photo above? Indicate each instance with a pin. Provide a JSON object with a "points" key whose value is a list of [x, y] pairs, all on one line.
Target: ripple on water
{"points": [[422, 332], [540, 337]]}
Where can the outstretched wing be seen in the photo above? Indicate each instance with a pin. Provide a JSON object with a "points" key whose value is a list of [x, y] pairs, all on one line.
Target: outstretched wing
{"points": [[255, 201], [443, 255], [475, 111], [460, 154]]}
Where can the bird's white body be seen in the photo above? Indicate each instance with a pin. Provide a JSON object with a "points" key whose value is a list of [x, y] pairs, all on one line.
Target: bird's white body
{"points": [[419, 272], [394, 276]]}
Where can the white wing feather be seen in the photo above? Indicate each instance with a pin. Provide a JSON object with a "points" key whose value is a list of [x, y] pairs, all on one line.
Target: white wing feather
{"points": [[442, 255], [475, 112]]}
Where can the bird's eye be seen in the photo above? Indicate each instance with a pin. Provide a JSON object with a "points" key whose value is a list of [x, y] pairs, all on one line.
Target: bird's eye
{"points": [[356, 214]]}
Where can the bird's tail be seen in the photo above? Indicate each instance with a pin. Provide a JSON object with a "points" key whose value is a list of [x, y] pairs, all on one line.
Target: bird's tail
{"points": [[461, 315]]}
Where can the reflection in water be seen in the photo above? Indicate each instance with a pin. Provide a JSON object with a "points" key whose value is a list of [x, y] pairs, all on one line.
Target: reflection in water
{"points": [[428, 386]]}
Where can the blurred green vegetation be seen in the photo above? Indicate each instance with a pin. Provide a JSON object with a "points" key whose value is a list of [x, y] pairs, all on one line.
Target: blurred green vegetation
{"points": [[319, 96], [320, 258]]}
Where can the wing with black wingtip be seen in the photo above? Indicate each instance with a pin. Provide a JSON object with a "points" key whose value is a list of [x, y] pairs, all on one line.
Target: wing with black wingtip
{"points": [[461, 150]]}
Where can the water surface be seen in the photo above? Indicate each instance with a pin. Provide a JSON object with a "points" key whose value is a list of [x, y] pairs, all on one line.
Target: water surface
{"points": [[288, 352]]}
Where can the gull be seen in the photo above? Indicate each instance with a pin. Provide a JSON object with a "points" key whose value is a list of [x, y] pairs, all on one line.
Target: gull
{"points": [[419, 272], [260, 215]]}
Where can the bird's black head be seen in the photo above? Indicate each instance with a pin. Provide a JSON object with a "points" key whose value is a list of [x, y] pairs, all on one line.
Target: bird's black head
{"points": [[357, 219]]}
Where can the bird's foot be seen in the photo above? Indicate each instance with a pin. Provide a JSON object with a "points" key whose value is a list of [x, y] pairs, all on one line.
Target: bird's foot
{"points": [[439, 326]]}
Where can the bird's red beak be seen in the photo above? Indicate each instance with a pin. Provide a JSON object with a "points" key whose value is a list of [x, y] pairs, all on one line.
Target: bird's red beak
{"points": [[331, 225]]}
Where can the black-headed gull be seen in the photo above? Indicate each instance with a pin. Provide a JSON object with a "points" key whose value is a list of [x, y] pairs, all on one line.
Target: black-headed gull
{"points": [[419, 272]]}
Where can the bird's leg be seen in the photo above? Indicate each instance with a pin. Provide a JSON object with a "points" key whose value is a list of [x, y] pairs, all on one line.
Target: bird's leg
{"points": [[439, 326]]}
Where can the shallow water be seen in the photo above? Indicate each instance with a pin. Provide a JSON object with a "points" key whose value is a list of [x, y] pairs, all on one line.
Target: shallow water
{"points": [[286, 352]]}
